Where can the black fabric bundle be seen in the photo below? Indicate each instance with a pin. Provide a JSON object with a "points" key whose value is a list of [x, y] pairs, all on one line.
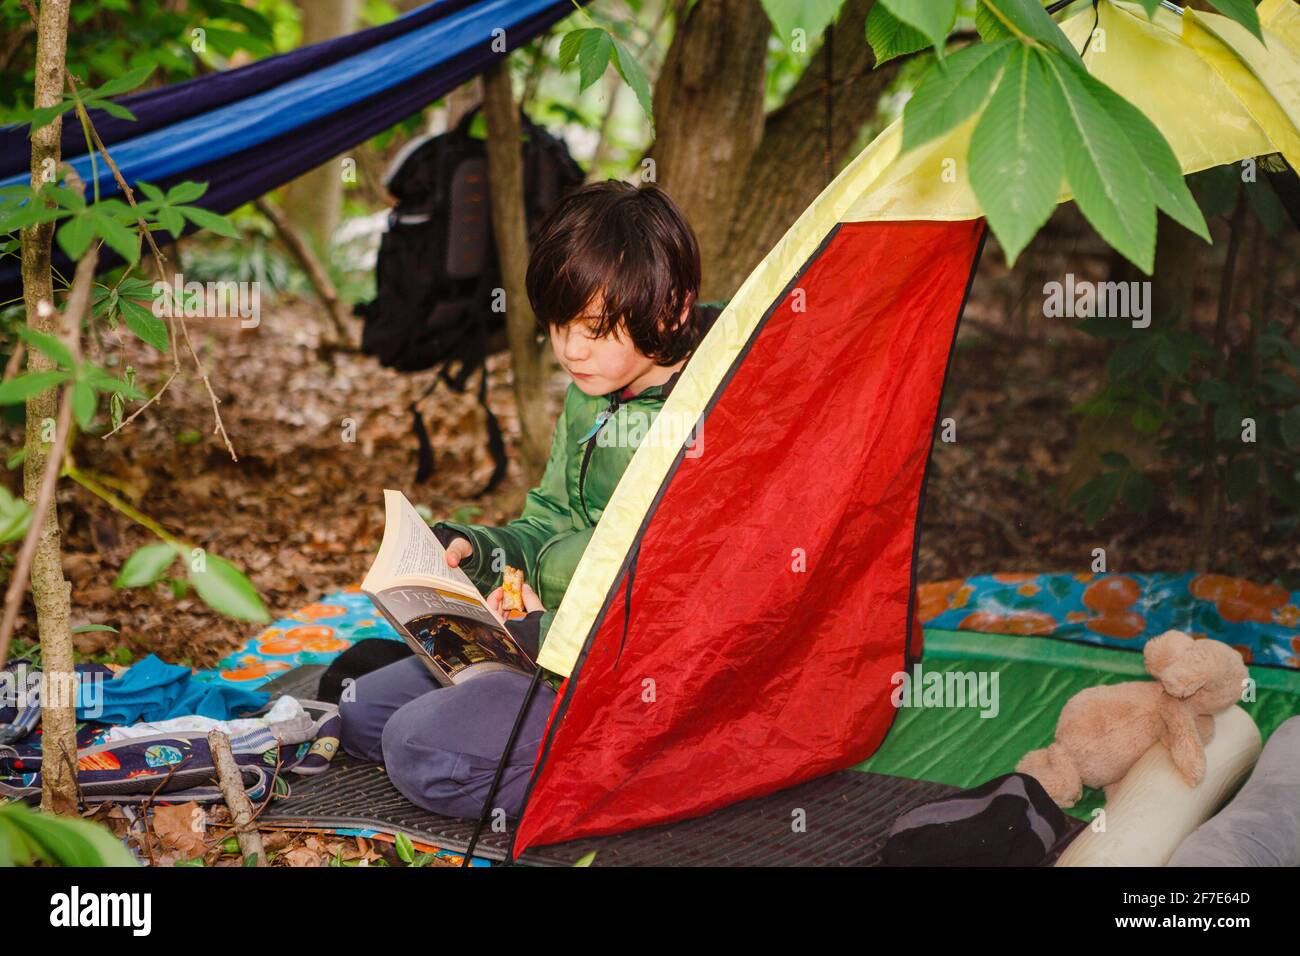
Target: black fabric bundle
{"points": [[1008, 821]]}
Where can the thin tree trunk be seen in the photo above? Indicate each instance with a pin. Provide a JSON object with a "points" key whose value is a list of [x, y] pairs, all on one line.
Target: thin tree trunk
{"points": [[314, 201], [506, 176], [50, 592]]}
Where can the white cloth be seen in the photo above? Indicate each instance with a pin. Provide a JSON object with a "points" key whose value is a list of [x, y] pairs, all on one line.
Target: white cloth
{"points": [[284, 709]]}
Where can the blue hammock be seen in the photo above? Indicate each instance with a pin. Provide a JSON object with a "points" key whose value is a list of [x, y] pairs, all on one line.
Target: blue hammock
{"points": [[247, 131]]}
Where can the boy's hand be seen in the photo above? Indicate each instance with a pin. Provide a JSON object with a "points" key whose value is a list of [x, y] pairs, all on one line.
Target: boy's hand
{"points": [[531, 601], [458, 551]]}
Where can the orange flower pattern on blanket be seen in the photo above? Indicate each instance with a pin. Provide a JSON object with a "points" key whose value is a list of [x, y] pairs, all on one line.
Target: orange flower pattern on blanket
{"points": [[314, 634], [1262, 620]]}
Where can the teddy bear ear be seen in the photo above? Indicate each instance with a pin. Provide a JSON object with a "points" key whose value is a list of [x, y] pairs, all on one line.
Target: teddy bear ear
{"points": [[1162, 651]]}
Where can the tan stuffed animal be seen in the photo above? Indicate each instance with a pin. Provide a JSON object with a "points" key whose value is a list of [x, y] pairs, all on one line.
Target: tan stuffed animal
{"points": [[1102, 731]]}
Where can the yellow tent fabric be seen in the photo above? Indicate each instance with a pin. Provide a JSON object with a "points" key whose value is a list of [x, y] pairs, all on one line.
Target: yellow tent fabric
{"points": [[1213, 91]]}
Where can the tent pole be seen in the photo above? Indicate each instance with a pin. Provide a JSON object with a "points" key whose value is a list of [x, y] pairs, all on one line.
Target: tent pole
{"points": [[501, 767]]}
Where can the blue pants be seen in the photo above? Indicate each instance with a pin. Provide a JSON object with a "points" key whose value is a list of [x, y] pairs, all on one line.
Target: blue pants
{"points": [[440, 745]]}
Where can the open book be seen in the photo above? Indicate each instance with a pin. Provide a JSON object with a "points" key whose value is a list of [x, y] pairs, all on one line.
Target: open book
{"points": [[436, 608]]}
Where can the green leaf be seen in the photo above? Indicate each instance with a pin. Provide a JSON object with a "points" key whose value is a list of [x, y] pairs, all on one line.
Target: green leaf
{"points": [[118, 237], [15, 516], [145, 566], [1244, 12], [63, 841], [111, 108], [569, 44], [186, 192], [91, 628], [890, 37], [22, 387], [1213, 391], [1164, 173], [586, 859], [630, 70], [1149, 7], [1016, 156], [1290, 426], [1268, 208], [48, 114], [594, 51], [811, 16], [172, 221], [1137, 492], [122, 84], [1227, 421], [102, 381], [84, 404], [75, 235], [47, 345], [1242, 478], [988, 26], [934, 18], [951, 91], [1100, 166], [210, 220], [147, 326], [1028, 18], [405, 848], [224, 588]]}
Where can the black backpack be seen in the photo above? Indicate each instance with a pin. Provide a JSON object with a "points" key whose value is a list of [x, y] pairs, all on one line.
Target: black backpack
{"points": [[438, 270]]}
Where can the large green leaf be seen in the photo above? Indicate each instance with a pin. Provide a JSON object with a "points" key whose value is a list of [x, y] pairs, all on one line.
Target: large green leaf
{"points": [[890, 37], [1016, 159], [811, 16], [934, 18], [1243, 11], [47, 345], [145, 324], [630, 70], [223, 587], [1028, 18], [1164, 174], [953, 90], [64, 841], [15, 516], [22, 387], [1102, 167], [594, 51], [146, 565]]}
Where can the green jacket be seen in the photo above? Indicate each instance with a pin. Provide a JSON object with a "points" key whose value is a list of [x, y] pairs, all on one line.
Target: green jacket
{"points": [[560, 514]]}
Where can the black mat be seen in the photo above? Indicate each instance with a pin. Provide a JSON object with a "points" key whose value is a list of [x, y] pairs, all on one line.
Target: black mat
{"points": [[845, 818], [302, 682]]}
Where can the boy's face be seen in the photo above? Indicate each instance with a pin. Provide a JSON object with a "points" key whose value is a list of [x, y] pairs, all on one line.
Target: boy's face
{"points": [[601, 365]]}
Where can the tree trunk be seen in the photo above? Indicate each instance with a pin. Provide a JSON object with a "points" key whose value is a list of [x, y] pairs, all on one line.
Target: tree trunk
{"points": [[50, 592], [708, 109], [314, 200], [788, 170], [506, 176]]}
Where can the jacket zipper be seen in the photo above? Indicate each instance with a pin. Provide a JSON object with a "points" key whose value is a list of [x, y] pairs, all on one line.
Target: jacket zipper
{"points": [[590, 441]]}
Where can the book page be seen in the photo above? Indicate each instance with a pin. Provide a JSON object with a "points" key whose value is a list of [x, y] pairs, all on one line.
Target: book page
{"points": [[419, 550]]}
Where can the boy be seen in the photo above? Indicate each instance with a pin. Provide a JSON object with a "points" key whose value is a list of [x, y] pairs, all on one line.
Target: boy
{"points": [[613, 278]]}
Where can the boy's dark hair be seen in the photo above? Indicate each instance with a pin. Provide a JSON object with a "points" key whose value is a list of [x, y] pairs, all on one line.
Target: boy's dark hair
{"points": [[634, 246]]}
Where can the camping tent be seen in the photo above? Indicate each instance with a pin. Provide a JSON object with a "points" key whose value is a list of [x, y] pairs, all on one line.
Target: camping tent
{"points": [[734, 623]]}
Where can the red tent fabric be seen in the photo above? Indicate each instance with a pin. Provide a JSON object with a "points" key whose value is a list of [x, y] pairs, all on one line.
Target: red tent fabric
{"points": [[773, 576]]}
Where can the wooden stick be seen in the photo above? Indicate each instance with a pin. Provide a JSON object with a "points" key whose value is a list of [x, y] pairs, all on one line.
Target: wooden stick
{"points": [[311, 264], [232, 788]]}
